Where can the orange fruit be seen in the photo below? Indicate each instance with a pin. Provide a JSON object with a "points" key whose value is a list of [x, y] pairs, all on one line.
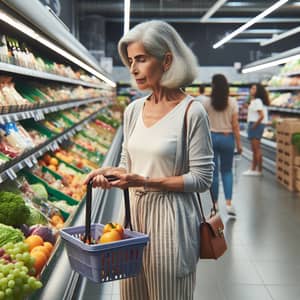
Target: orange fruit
{"points": [[33, 241], [47, 158], [49, 246], [56, 219], [42, 249], [52, 167], [54, 161], [40, 260], [110, 236]]}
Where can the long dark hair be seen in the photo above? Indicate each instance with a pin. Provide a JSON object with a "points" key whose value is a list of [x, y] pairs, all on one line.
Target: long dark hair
{"points": [[262, 94], [220, 92]]}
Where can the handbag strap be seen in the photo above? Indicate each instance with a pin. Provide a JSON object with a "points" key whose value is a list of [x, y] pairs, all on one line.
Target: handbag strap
{"points": [[214, 209]]}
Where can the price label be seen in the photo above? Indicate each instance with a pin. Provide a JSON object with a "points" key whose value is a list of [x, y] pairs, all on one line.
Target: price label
{"points": [[15, 117], [28, 162], [34, 160], [20, 165], [11, 174], [42, 117], [7, 119]]}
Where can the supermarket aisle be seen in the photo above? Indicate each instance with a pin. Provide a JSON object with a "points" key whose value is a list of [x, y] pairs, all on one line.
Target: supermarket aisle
{"points": [[263, 260]]}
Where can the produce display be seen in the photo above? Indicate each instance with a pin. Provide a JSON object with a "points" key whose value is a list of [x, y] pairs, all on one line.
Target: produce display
{"points": [[37, 200], [36, 205], [17, 270], [286, 100]]}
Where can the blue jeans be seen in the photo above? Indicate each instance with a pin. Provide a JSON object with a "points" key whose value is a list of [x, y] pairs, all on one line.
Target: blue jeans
{"points": [[223, 145]]}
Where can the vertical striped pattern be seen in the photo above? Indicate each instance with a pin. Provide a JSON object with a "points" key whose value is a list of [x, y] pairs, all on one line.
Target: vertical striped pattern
{"points": [[153, 213]]}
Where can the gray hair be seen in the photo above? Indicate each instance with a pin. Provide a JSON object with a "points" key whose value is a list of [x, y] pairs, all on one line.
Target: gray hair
{"points": [[159, 37]]}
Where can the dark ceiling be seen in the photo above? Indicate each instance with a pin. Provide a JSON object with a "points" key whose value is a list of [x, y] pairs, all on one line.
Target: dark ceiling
{"points": [[189, 11], [185, 16]]}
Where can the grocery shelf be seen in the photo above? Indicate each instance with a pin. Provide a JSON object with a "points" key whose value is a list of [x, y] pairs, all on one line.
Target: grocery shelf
{"points": [[284, 109], [29, 158], [38, 113], [104, 209], [44, 75], [291, 74], [284, 88]]}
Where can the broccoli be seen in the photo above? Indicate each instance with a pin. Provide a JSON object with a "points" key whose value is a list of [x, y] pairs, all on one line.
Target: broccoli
{"points": [[13, 210]]}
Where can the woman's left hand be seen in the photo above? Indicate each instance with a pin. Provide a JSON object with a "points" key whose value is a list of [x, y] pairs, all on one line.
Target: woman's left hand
{"points": [[128, 180]]}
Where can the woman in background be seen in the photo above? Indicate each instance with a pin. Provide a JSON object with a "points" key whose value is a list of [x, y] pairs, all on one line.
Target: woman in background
{"points": [[257, 117], [225, 131]]}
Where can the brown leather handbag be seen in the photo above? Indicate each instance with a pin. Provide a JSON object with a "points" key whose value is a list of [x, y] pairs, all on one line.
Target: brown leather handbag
{"points": [[212, 240]]}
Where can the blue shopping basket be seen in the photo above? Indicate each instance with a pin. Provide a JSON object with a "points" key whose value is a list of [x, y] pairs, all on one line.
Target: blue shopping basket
{"points": [[104, 262]]}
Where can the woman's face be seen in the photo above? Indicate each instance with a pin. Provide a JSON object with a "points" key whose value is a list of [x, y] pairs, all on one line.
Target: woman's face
{"points": [[253, 90], [146, 69]]}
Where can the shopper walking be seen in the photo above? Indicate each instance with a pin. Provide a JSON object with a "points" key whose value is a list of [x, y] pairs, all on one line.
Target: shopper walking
{"points": [[225, 132], [257, 117], [162, 163]]}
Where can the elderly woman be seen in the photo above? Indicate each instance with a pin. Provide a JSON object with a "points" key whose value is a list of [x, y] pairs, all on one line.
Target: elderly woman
{"points": [[165, 159]]}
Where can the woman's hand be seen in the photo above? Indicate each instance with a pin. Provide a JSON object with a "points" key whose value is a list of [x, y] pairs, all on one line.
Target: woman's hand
{"points": [[239, 149], [126, 180], [99, 179]]}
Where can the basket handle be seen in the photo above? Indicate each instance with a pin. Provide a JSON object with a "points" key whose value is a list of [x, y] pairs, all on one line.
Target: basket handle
{"points": [[127, 203], [87, 236]]}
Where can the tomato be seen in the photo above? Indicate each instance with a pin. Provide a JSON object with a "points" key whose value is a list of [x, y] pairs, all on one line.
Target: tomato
{"points": [[114, 226], [111, 236]]}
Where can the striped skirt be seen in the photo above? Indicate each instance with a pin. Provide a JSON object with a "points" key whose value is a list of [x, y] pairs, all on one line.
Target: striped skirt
{"points": [[153, 213]]}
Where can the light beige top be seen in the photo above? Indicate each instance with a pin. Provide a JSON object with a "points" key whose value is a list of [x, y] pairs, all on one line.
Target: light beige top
{"points": [[221, 121]]}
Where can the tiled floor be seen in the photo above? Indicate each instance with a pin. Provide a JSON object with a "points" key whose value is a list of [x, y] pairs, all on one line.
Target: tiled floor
{"points": [[263, 259]]}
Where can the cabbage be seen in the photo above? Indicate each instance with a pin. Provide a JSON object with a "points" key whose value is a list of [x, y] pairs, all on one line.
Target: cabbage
{"points": [[36, 217], [40, 193], [10, 234]]}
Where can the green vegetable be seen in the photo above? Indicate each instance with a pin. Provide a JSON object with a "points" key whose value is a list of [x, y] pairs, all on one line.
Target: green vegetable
{"points": [[296, 140], [40, 193], [10, 234], [13, 210], [36, 217]]}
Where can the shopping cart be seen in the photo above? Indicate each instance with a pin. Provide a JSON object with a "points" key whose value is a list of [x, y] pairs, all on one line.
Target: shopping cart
{"points": [[109, 261]]}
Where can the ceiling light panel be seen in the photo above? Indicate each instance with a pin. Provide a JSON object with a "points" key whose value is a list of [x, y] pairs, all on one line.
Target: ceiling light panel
{"points": [[249, 23]]}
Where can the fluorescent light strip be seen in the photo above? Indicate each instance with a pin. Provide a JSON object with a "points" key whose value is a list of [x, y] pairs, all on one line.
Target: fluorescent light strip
{"points": [[212, 10], [281, 36], [262, 31], [249, 23], [245, 40], [31, 33], [270, 64], [126, 15]]}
